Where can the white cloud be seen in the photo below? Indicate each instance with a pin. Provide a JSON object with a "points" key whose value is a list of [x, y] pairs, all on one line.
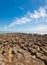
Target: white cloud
{"points": [[21, 8], [42, 12], [39, 15], [22, 20], [30, 16]]}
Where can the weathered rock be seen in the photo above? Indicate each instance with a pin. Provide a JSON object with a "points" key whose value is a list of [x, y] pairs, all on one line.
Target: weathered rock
{"points": [[23, 49]]}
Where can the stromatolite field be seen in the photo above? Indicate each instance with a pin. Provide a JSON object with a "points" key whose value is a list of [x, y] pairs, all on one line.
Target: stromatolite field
{"points": [[23, 49]]}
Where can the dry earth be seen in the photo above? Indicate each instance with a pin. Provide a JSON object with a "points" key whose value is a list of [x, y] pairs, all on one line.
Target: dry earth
{"points": [[23, 49]]}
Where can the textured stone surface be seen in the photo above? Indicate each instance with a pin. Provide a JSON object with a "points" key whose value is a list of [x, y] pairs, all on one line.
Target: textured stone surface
{"points": [[23, 49]]}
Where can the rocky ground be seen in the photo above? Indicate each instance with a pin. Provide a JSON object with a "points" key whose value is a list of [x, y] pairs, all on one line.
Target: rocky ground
{"points": [[23, 49]]}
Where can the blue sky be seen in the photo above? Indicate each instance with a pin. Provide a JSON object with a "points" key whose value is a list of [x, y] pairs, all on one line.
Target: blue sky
{"points": [[28, 16]]}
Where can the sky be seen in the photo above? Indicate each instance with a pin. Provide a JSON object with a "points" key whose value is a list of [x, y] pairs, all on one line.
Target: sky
{"points": [[27, 16]]}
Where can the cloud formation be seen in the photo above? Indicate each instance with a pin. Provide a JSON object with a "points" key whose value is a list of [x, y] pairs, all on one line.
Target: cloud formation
{"points": [[39, 15], [29, 17], [18, 21]]}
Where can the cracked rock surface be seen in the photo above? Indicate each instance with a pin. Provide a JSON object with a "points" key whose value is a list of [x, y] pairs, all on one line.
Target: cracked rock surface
{"points": [[23, 49]]}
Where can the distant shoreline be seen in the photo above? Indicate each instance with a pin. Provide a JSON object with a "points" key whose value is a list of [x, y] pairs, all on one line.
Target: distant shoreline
{"points": [[3, 32]]}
